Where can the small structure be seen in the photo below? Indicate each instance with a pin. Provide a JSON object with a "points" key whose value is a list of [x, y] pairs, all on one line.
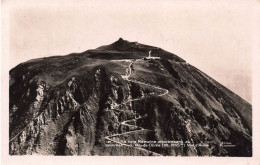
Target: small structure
{"points": [[150, 56]]}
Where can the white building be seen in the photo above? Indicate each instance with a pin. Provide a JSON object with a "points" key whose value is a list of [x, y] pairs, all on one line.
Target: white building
{"points": [[150, 56]]}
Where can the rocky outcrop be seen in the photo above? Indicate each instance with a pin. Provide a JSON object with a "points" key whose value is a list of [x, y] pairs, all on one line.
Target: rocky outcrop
{"points": [[75, 104]]}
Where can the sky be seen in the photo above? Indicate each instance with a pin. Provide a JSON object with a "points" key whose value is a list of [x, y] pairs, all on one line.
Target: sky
{"points": [[214, 36]]}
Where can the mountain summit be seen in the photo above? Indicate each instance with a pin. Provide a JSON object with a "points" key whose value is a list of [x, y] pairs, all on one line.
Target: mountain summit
{"points": [[123, 49], [122, 44], [125, 98]]}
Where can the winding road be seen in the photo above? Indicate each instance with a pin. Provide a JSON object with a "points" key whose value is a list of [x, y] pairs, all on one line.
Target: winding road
{"points": [[127, 122]]}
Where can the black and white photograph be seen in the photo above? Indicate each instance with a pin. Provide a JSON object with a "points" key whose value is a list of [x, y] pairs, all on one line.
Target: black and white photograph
{"points": [[128, 78]]}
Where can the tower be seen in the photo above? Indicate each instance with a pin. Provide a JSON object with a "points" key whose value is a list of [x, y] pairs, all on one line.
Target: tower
{"points": [[150, 53]]}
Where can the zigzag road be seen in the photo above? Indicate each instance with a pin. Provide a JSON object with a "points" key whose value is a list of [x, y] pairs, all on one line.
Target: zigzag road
{"points": [[125, 123]]}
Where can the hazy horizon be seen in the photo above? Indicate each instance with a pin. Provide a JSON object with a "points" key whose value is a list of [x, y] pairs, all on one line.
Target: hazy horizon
{"points": [[214, 37]]}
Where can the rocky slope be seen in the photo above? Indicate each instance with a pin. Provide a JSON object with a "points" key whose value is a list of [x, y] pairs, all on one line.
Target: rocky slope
{"points": [[79, 103]]}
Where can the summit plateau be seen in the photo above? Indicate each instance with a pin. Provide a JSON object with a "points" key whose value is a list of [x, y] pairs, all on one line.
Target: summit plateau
{"points": [[125, 98]]}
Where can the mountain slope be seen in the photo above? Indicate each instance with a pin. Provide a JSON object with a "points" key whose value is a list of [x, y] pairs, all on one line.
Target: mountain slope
{"points": [[101, 101]]}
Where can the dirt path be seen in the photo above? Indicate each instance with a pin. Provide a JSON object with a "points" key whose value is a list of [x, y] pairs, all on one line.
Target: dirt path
{"points": [[138, 128], [126, 122]]}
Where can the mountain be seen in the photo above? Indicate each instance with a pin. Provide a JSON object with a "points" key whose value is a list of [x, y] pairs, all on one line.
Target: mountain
{"points": [[125, 98]]}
